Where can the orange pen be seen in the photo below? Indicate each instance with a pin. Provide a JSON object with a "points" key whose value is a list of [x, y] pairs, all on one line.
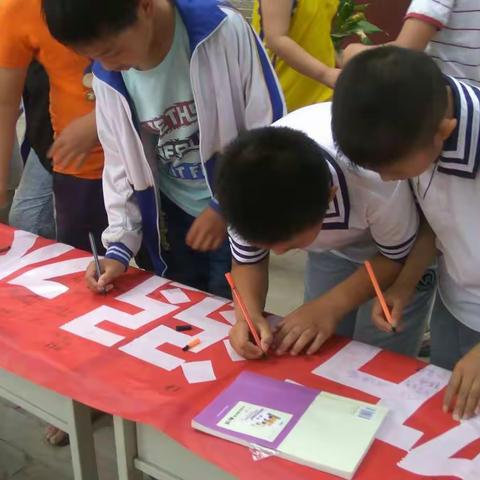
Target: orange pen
{"points": [[244, 310], [193, 343], [380, 296]]}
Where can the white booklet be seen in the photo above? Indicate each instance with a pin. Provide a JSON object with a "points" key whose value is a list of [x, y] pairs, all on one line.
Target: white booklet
{"points": [[324, 431]]}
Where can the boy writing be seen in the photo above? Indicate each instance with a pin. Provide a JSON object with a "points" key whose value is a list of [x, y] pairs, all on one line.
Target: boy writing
{"points": [[395, 113], [282, 189], [176, 81]]}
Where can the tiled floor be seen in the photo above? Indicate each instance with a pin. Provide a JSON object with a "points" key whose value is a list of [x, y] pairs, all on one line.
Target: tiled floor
{"points": [[25, 456]]}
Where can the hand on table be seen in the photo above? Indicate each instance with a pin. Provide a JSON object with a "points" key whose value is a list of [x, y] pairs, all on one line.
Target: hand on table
{"points": [[463, 390], [308, 327], [110, 268], [244, 345]]}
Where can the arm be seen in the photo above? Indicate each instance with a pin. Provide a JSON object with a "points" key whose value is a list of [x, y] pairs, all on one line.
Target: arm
{"points": [[276, 16], [123, 236], [415, 34], [251, 281], [400, 293], [314, 322], [75, 141], [12, 81]]}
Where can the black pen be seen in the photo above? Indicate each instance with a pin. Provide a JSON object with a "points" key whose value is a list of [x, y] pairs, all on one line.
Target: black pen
{"points": [[95, 258]]}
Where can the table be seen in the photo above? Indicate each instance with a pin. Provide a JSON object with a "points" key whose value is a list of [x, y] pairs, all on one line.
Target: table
{"points": [[121, 354], [144, 449], [60, 411]]}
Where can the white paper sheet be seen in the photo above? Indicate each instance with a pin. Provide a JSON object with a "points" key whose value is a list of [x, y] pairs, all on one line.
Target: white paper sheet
{"points": [[229, 316], [434, 458], [234, 356], [175, 296], [403, 399], [146, 347], [198, 372], [17, 257], [197, 315], [37, 280]]}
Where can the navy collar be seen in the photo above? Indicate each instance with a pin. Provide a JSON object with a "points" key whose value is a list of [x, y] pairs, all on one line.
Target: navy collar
{"points": [[338, 213], [461, 151]]}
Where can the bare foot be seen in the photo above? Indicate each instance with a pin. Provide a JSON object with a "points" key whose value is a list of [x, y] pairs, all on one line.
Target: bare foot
{"points": [[56, 437]]}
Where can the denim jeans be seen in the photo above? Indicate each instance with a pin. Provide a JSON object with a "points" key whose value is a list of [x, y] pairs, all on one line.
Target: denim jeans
{"points": [[450, 338], [202, 270], [15, 173], [32, 207], [79, 209], [326, 270]]}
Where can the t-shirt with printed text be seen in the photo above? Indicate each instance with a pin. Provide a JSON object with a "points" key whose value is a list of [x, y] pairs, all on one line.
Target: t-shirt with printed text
{"points": [[166, 110]]}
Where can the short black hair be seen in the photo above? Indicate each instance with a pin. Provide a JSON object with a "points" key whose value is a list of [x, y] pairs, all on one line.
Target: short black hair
{"points": [[388, 101], [273, 183], [80, 22]]}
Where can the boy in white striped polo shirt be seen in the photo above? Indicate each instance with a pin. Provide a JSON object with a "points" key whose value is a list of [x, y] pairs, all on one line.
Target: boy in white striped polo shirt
{"points": [[282, 189], [449, 30], [395, 113]]}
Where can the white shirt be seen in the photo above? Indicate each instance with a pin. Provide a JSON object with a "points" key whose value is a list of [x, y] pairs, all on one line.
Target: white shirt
{"points": [[449, 195], [367, 215], [456, 46]]}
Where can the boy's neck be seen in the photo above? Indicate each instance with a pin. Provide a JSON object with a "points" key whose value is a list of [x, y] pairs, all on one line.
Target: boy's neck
{"points": [[163, 25]]}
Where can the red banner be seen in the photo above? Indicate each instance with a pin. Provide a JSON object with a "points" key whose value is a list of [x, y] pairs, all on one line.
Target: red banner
{"points": [[121, 354]]}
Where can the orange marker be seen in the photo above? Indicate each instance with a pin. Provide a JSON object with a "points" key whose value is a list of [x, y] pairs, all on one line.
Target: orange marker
{"points": [[191, 344], [244, 310], [380, 296]]}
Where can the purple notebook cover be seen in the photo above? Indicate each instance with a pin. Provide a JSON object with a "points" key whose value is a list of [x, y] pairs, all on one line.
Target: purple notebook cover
{"points": [[260, 390]]}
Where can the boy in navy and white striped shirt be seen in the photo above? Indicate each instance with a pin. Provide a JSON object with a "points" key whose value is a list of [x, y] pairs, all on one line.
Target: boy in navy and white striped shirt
{"points": [[282, 189], [395, 113], [448, 30]]}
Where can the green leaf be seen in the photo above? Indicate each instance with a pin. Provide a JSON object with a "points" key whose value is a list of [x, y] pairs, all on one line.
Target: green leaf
{"points": [[368, 27]]}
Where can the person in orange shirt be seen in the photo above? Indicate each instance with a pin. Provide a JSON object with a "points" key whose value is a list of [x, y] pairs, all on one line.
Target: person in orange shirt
{"points": [[76, 153]]}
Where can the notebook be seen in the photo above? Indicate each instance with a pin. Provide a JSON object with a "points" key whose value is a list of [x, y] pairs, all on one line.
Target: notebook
{"points": [[324, 431]]}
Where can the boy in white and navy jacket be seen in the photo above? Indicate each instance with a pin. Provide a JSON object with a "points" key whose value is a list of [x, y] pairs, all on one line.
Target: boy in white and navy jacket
{"points": [[395, 113], [284, 188], [174, 83]]}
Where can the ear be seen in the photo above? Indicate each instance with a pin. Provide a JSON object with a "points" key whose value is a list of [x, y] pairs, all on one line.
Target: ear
{"points": [[146, 7], [333, 192], [446, 127]]}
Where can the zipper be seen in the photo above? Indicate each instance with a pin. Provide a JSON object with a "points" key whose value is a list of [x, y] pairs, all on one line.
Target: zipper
{"points": [[202, 161]]}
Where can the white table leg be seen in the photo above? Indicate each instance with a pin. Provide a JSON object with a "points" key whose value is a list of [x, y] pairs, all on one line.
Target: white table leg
{"points": [[81, 442], [126, 448]]}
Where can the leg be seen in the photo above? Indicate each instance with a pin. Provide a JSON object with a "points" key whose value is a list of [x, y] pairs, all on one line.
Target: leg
{"points": [[81, 443], [220, 262], [32, 207], [445, 344], [79, 209], [323, 272], [408, 338], [14, 175], [126, 449], [184, 265]]}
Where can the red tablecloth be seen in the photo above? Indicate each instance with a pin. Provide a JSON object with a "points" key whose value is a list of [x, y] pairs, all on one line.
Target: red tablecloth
{"points": [[120, 353]]}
